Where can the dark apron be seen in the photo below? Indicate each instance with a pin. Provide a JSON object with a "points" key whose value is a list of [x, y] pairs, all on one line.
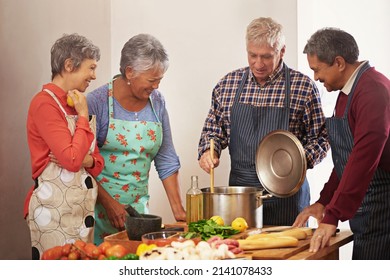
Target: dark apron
{"points": [[249, 125], [371, 223]]}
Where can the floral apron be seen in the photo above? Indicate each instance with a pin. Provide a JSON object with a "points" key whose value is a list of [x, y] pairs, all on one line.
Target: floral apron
{"points": [[128, 150], [61, 209]]}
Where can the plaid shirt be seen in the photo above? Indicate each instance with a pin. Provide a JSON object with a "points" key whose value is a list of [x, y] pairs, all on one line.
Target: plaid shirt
{"points": [[307, 120]]}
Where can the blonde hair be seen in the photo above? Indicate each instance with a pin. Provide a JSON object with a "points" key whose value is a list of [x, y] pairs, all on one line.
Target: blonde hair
{"points": [[265, 31]]}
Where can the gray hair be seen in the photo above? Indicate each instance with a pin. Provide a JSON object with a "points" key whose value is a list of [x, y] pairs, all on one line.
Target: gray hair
{"points": [[265, 31], [327, 43], [142, 53], [75, 47]]}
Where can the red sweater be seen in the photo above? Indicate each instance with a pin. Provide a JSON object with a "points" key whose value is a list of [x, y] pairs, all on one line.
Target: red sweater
{"points": [[369, 121], [47, 131]]}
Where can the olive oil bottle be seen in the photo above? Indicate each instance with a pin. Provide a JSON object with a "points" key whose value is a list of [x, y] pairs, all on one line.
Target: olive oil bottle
{"points": [[194, 202]]}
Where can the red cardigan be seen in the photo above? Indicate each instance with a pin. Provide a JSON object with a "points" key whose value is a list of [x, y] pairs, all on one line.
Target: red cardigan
{"points": [[369, 121], [47, 131]]}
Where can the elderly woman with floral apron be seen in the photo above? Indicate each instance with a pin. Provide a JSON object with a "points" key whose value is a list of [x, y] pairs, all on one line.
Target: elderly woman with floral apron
{"points": [[133, 131]]}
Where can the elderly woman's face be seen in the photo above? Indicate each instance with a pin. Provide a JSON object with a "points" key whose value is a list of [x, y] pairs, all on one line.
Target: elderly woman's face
{"points": [[263, 60], [144, 83], [83, 76]]}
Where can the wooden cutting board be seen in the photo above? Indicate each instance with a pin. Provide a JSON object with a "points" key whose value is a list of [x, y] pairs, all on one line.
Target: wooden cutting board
{"points": [[274, 254], [278, 254]]}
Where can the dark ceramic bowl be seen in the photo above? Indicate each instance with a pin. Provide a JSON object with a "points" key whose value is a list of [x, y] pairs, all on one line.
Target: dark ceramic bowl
{"points": [[138, 226]]}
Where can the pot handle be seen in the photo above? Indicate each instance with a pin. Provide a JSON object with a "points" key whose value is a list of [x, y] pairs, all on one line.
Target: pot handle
{"points": [[264, 196], [260, 197]]}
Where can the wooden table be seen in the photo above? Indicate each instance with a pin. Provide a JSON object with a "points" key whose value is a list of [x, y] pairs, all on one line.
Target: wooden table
{"points": [[301, 252], [328, 253]]}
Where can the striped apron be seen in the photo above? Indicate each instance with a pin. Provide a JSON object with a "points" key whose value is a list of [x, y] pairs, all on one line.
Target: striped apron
{"points": [[249, 125], [371, 223]]}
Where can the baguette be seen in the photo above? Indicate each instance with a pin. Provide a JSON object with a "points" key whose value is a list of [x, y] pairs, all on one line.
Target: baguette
{"points": [[308, 230], [258, 235], [268, 243], [298, 233]]}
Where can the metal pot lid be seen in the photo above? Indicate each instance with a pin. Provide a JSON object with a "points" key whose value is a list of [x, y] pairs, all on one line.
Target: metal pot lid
{"points": [[281, 163]]}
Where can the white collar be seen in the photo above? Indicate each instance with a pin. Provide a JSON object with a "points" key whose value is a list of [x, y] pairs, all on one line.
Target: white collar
{"points": [[348, 86]]}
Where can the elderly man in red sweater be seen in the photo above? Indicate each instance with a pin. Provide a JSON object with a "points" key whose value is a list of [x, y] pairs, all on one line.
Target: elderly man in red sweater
{"points": [[358, 189]]}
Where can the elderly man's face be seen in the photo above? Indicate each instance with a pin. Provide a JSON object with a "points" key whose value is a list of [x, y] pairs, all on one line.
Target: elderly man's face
{"points": [[263, 60], [327, 74]]}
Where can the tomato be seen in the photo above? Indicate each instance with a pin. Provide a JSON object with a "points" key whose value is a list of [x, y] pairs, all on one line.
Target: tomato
{"points": [[116, 250], [79, 244], [66, 249], [54, 253], [103, 246], [74, 255], [91, 250]]}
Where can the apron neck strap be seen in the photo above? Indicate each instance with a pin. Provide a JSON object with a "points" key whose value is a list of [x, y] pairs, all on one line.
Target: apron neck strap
{"points": [[56, 100]]}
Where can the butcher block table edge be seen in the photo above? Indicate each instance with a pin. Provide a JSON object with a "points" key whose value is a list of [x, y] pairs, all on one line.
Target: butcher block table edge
{"points": [[330, 252], [301, 252]]}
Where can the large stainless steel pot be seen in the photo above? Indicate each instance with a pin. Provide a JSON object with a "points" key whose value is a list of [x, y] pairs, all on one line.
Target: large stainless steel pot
{"points": [[281, 169], [234, 201]]}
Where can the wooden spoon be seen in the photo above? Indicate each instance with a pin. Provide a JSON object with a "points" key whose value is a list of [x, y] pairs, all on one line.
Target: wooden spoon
{"points": [[212, 169]]}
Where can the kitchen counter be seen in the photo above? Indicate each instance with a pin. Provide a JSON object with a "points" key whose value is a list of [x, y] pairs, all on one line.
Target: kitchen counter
{"points": [[301, 252], [328, 253]]}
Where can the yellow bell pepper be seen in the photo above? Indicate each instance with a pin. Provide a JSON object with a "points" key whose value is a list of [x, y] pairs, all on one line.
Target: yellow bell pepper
{"points": [[143, 248]]}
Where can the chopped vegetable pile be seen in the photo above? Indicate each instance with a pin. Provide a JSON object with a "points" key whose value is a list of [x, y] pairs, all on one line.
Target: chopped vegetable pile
{"points": [[209, 228]]}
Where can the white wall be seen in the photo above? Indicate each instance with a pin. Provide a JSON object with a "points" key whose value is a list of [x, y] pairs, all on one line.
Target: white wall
{"points": [[204, 40], [207, 42]]}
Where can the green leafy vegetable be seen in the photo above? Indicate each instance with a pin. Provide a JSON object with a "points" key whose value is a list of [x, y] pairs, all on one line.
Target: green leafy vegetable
{"points": [[189, 235], [126, 257], [209, 228]]}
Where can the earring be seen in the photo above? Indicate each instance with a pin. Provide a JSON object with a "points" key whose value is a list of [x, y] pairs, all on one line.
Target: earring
{"points": [[128, 82]]}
